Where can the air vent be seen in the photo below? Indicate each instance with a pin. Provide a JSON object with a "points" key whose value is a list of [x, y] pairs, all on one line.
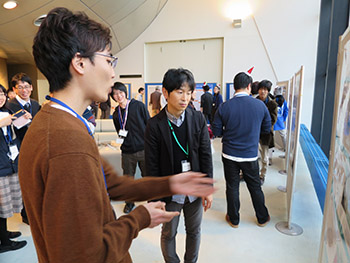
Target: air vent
{"points": [[37, 22]]}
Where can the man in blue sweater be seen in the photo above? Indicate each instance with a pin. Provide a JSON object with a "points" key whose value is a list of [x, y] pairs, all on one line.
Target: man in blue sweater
{"points": [[240, 121]]}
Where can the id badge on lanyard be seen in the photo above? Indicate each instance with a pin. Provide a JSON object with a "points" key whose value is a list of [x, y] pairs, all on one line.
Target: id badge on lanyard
{"points": [[123, 133], [185, 166], [13, 153]]}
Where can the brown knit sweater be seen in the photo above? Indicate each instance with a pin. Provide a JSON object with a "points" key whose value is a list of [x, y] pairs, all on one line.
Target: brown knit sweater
{"points": [[64, 192]]}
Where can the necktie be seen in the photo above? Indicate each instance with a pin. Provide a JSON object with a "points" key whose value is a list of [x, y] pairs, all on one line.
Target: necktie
{"points": [[27, 107]]}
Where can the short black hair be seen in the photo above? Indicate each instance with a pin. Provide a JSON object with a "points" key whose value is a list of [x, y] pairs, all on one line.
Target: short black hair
{"points": [[265, 84], [2, 88], [242, 81], [140, 89], [175, 78], [255, 86], [61, 36], [280, 100], [118, 86], [20, 77], [206, 87]]}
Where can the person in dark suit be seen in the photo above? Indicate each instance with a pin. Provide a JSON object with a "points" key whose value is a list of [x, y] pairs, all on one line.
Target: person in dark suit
{"points": [[22, 86], [206, 103], [177, 140]]}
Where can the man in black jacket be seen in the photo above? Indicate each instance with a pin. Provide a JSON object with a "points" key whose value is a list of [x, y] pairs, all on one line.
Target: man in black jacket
{"points": [[130, 119], [177, 140], [207, 103]]}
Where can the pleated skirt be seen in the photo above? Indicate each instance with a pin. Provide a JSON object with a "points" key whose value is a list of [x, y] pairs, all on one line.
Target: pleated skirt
{"points": [[10, 196]]}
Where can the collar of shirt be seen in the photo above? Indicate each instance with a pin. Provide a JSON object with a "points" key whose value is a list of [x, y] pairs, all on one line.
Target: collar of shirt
{"points": [[91, 126], [241, 94], [173, 119], [23, 102]]}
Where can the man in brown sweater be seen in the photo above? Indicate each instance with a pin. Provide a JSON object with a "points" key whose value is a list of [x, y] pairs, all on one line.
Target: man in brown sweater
{"points": [[66, 185]]}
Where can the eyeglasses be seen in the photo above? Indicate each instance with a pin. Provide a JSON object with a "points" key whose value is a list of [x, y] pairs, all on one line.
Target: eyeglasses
{"points": [[23, 87], [112, 62]]}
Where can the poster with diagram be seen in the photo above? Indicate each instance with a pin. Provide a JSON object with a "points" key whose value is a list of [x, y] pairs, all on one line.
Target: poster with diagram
{"points": [[335, 243]]}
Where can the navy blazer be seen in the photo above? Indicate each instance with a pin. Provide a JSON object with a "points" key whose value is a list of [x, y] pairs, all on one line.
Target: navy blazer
{"points": [[14, 106], [159, 149]]}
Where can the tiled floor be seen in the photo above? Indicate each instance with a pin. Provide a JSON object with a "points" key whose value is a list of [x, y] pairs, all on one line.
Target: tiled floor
{"points": [[221, 243]]}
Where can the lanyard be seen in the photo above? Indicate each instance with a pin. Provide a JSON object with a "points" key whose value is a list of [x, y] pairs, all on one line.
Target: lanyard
{"points": [[8, 137], [69, 108], [30, 109], [80, 118], [177, 141], [122, 120]]}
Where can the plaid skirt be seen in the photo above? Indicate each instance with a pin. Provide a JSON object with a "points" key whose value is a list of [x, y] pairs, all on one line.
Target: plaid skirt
{"points": [[10, 196]]}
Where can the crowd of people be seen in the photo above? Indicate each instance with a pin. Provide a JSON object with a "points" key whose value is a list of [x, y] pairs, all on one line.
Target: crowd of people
{"points": [[49, 156]]}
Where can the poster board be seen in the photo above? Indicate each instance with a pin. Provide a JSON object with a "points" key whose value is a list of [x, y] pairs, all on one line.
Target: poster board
{"points": [[335, 238], [230, 91], [285, 88], [199, 92], [295, 114], [149, 89], [289, 122]]}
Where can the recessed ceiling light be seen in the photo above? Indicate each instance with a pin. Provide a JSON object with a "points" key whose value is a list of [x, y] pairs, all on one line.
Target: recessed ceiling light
{"points": [[10, 5]]}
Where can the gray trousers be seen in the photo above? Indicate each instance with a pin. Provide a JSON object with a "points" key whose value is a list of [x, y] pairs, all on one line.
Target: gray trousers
{"points": [[193, 217], [264, 153], [130, 161]]}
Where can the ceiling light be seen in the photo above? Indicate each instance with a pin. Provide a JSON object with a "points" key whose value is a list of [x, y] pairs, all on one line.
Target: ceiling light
{"points": [[10, 5], [238, 10]]}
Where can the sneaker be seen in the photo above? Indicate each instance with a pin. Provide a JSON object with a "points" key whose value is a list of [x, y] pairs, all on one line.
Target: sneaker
{"points": [[13, 235], [128, 208], [264, 224], [14, 245], [227, 218]]}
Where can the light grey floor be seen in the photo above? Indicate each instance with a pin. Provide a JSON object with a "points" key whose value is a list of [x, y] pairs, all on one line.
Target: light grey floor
{"points": [[220, 242]]}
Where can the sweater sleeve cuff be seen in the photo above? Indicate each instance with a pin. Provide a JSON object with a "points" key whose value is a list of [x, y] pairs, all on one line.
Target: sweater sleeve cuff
{"points": [[143, 217]]}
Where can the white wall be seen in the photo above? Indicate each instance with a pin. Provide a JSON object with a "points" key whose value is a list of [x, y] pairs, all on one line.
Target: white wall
{"points": [[289, 30]]}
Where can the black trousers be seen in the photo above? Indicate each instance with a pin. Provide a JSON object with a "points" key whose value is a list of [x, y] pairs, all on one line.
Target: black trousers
{"points": [[251, 177]]}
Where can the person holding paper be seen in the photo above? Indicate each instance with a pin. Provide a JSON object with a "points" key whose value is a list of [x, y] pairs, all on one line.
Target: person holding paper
{"points": [[22, 85], [66, 185], [10, 191], [130, 119]]}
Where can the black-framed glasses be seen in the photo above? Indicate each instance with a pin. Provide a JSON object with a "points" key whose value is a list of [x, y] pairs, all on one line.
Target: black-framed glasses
{"points": [[113, 60], [22, 87]]}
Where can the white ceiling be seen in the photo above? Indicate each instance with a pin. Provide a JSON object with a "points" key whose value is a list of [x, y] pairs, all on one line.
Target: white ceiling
{"points": [[127, 19]]}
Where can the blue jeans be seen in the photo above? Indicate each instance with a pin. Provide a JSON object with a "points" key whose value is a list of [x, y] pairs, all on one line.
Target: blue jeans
{"points": [[193, 217], [251, 177]]}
